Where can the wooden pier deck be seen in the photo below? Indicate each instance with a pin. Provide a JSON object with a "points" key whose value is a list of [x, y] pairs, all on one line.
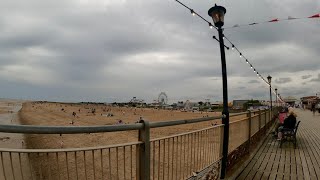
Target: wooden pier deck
{"points": [[273, 162]]}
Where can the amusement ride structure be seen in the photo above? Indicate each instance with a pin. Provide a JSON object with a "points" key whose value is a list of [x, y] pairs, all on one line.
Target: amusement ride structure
{"points": [[162, 99]]}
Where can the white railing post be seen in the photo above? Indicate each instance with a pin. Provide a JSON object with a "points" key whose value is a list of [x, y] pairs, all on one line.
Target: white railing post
{"points": [[265, 118], [249, 133], [259, 119]]}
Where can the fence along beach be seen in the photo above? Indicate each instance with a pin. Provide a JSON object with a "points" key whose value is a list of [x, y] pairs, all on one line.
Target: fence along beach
{"points": [[166, 154]]}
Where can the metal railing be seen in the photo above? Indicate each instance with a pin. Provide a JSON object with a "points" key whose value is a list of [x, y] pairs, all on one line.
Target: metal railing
{"points": [[180, 156], [245, 128], [176, 157], [107, 162]]}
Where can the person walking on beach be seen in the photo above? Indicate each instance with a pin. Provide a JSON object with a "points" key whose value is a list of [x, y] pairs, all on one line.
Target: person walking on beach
{"points": [[313, 108]]}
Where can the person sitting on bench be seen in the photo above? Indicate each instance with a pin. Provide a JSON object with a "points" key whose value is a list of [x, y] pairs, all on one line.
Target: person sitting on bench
{"points": [[289, 123], [281, 117]]}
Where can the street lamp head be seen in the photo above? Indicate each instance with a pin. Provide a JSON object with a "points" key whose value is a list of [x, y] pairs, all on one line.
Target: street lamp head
{"points": [[269, 79], [217, 13]]}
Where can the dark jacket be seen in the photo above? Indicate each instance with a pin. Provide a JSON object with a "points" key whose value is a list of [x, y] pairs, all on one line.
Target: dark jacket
{"points": [[290, 122]]}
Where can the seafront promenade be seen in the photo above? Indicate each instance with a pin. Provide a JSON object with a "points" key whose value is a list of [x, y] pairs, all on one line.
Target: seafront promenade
{"points": [[273, 162]]}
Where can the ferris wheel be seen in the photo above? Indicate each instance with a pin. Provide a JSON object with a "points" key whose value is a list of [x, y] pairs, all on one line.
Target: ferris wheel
{"points": [[163, 98]]}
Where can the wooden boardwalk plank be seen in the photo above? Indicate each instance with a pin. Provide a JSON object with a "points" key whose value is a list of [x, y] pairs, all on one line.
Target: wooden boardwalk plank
{"points": [[266, 159], [275, 166], [252, 163], [257, 163], [272, 162], [298, 162], [311, 156], [280, 172], [314, 144], [287, 164], [293, 165]]}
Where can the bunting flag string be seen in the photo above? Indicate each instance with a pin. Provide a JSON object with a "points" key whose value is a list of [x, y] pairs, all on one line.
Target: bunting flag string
{"points": [[274, 20], [233, 47]]}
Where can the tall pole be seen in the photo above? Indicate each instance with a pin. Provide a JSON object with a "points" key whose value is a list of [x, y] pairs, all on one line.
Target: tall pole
{"points": [[225, 111], [276, 96], [270, 97], [217, 13], [280, 99]]}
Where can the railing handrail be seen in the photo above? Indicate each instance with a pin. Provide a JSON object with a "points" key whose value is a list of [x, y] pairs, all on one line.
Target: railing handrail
{"points": [[238, 114], [180, 122], [35, 129], [68, 149], [243, 119], [189, 132], [245, 112]]}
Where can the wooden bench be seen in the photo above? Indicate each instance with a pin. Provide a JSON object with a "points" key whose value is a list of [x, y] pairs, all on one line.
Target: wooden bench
{"points": [[290, 135]]}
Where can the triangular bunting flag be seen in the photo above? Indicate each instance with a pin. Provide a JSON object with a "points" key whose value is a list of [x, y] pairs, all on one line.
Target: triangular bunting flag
{"points": [[274, 20], [315, 16]]}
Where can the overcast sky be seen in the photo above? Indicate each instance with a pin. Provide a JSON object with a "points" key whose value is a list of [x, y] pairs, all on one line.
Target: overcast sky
{"points": [[112, 50]]}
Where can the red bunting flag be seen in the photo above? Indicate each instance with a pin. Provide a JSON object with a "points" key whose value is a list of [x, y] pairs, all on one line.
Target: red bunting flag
{"points": [[315, 16], [274, 20]]}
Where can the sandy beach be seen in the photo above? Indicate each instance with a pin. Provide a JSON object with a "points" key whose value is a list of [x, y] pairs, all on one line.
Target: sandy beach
{"points": [[9, 115], [54, 114], [62, 114]]}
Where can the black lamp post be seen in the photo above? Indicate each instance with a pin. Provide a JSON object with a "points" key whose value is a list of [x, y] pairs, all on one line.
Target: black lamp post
{"points": [[269, 81], [276, 96], [217, 13]]}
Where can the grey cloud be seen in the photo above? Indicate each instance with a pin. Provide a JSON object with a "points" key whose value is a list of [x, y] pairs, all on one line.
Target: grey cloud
{"points": [[316, 79], [306, 76], [283, 80], [253, 81], [296, 92], [119, 45]]}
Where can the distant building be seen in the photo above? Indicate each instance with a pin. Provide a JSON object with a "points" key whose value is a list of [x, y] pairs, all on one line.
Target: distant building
{"points": [[186, 106], [180, 105], [307, 101], [217, 104], [238, 104], [290, 100]]}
